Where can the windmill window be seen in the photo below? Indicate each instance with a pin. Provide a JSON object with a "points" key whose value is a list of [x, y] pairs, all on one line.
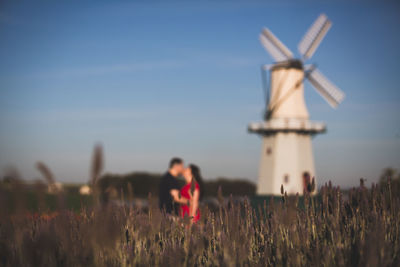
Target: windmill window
{"points": [[286, 178]]}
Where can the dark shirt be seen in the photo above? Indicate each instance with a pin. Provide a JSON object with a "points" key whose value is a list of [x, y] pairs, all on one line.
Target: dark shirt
{"points": [[165, 201]]}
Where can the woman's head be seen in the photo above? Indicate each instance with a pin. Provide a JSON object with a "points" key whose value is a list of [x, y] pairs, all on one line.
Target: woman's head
{"points": [[193, 172]]}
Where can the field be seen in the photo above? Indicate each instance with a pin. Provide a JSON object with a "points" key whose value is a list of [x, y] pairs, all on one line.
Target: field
{"points": [[359, 228]]}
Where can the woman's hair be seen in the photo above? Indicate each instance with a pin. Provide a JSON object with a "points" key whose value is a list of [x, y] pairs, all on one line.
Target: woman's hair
{"points": [[197, 177]]}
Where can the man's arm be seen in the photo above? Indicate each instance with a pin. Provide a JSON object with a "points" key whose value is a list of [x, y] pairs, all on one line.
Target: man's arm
{"points": [[175, 196]]}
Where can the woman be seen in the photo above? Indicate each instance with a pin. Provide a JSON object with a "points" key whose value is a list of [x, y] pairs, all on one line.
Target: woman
{"points": [[192, 190]]}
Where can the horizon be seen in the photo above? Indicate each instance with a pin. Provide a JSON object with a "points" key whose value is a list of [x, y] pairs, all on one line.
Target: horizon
{"points": [[150, 82]]}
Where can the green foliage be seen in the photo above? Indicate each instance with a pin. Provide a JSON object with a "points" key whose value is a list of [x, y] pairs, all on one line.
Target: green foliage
{"points": [[391, 175], [144, 183]]}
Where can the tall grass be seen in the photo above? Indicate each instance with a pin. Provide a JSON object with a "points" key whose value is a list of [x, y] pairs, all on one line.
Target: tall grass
{"points": [[327, 230]]}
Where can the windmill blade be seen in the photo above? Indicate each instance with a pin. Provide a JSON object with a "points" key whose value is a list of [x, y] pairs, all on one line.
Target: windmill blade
{"points": [[264, 82], [274, 47], [325, 88], [314, 36]]}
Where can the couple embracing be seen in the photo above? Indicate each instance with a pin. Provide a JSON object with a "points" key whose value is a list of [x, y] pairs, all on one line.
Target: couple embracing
{"points": [[182, 201]]}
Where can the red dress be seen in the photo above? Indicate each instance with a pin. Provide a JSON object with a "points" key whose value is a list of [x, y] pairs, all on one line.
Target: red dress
{"points": [[185, 192]]}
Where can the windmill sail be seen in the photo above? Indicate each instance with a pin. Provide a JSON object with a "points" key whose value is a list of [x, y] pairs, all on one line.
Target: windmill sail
{"points": [[274, 47], [325, 88], [314, 36]]}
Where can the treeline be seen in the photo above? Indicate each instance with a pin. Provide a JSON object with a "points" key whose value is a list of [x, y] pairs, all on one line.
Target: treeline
{"points": [[140, 184]]}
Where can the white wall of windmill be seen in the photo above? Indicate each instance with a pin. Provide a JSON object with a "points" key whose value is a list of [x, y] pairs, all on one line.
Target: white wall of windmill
{"points": [[284, 159], [287, 93]]}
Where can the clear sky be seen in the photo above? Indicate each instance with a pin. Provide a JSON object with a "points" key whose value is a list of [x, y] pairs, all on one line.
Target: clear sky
{"points": [[151, 81]]}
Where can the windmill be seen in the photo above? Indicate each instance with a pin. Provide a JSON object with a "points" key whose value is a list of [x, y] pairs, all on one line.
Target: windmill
{"points": [[286, 155]]}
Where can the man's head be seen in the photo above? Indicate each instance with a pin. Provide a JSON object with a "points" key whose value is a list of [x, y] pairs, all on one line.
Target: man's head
{"points": [[176, 166]]}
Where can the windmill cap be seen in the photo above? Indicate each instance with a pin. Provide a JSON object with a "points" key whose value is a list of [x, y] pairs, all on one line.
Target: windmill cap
{"points": [[289, 64]]}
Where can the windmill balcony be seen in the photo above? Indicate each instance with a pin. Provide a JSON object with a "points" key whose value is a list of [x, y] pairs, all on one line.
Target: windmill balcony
{"points": [[302, 126]]}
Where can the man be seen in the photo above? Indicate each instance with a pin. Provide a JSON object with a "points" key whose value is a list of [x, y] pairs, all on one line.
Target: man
{"points": [[169, 188]]}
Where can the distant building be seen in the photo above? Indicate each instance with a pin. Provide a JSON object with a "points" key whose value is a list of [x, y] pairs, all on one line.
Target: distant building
{"points": [[85, 190], [55, 188]]}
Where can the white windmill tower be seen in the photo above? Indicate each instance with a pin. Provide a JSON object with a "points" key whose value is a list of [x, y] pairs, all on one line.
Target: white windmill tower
{"points": [[286, 155]]}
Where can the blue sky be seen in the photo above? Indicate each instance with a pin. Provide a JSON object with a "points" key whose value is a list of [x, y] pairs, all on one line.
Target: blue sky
{"points": [[151, 81]]}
